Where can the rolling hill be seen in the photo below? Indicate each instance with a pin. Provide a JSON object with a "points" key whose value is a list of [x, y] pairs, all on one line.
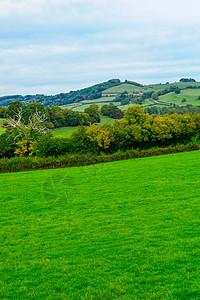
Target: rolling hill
{"points": [[104, 93]]}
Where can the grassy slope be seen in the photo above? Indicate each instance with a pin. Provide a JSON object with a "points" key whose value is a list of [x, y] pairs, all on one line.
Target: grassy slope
{"points": [[122, 230], [191, 96], [122, 88], [106, 99]]}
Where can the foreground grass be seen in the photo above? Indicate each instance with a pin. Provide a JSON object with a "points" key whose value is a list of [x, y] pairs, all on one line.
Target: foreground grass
{"points": [[122, 230]]}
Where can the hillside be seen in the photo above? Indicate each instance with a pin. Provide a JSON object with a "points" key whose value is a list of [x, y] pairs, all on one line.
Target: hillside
{"points": [[103, 93], [122, 230]]}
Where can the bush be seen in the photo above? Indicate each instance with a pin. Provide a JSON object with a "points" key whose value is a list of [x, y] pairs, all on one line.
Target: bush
{"points": [[7, 145], [49, 146]]}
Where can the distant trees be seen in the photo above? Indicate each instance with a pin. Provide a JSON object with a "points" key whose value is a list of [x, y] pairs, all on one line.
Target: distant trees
{"points": [[2, 111], [177, 90], [188, 109], [154, 96], [187, 80], [93, 92]]}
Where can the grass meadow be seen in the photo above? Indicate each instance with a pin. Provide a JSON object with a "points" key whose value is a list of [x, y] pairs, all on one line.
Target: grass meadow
{"points": [[191, 96], [120, 230], [67, 131]]}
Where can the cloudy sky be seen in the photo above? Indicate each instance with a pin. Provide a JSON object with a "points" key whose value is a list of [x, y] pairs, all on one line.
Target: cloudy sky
{"points": [[53, 46]]}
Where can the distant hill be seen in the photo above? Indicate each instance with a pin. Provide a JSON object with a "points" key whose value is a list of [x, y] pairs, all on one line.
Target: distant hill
{"points": [[93, 92], [109, 92]]}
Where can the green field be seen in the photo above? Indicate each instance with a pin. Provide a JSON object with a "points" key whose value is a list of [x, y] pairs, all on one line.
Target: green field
{"points": [[191, 96], [1, 129], [122, 88], [64, 131], [121, 230], [67, 131]]}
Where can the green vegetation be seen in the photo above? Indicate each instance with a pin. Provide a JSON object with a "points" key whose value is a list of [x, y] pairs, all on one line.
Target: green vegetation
{"points": [[89, 93], [112, 92], [1, 128], [135, 130], [122, 230]]}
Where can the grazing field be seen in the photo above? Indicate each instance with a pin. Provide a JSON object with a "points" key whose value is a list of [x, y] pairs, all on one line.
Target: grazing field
{"points": [[1, 128], [191, 96], [67, 131], [122, 230]]}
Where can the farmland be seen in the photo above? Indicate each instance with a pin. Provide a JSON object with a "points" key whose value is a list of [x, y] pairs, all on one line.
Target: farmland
{"points": [[121, 230], [108, 95], [191, 96]]}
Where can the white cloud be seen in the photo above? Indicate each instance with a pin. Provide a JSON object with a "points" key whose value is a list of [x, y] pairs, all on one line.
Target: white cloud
{"points": [[46, 44]]}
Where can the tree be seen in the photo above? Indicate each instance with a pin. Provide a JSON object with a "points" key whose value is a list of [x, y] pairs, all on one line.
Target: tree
{"points": [[94, 113], [13, 109], [177, 90], [17, 127], [2, 111], [154, 96]]}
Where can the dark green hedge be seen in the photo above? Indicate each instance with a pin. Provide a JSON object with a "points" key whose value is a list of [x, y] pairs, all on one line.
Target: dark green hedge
{"points": [[17, 164]]}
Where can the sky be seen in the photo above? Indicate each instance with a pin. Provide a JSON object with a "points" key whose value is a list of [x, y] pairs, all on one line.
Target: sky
{"points": [[49, 46]]}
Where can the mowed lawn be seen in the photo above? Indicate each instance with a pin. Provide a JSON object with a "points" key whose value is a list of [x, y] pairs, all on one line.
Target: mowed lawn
{"points": [[121, 230]]}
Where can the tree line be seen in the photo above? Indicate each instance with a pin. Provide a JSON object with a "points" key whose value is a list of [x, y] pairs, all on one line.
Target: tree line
{"points": [[135, 130]]}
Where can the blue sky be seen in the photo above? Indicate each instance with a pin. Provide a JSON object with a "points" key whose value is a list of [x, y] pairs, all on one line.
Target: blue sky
{"points": [[49, 46]]}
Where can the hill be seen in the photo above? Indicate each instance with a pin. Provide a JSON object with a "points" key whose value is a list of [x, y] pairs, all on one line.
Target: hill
{"points": [[121, 94], [122, 230]]}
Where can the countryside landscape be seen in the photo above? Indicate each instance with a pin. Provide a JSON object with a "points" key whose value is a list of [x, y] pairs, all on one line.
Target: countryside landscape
{"points": [[100, 192]]}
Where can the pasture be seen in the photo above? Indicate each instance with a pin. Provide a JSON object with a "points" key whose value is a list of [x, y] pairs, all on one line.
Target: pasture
{"points": [[67, 131], [191, 96], [120, 230]]}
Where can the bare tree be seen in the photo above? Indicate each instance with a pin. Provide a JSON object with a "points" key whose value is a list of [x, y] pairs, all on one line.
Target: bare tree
{"points": [[36, 123]]}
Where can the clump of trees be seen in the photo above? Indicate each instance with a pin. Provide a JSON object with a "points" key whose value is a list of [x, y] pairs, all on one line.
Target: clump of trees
{"points": [[187, 80], [55, 116], [188, 109], [112, 111]]}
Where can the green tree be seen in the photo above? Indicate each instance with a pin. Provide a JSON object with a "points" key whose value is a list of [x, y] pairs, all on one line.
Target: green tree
{"points": [[94, 113]]}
